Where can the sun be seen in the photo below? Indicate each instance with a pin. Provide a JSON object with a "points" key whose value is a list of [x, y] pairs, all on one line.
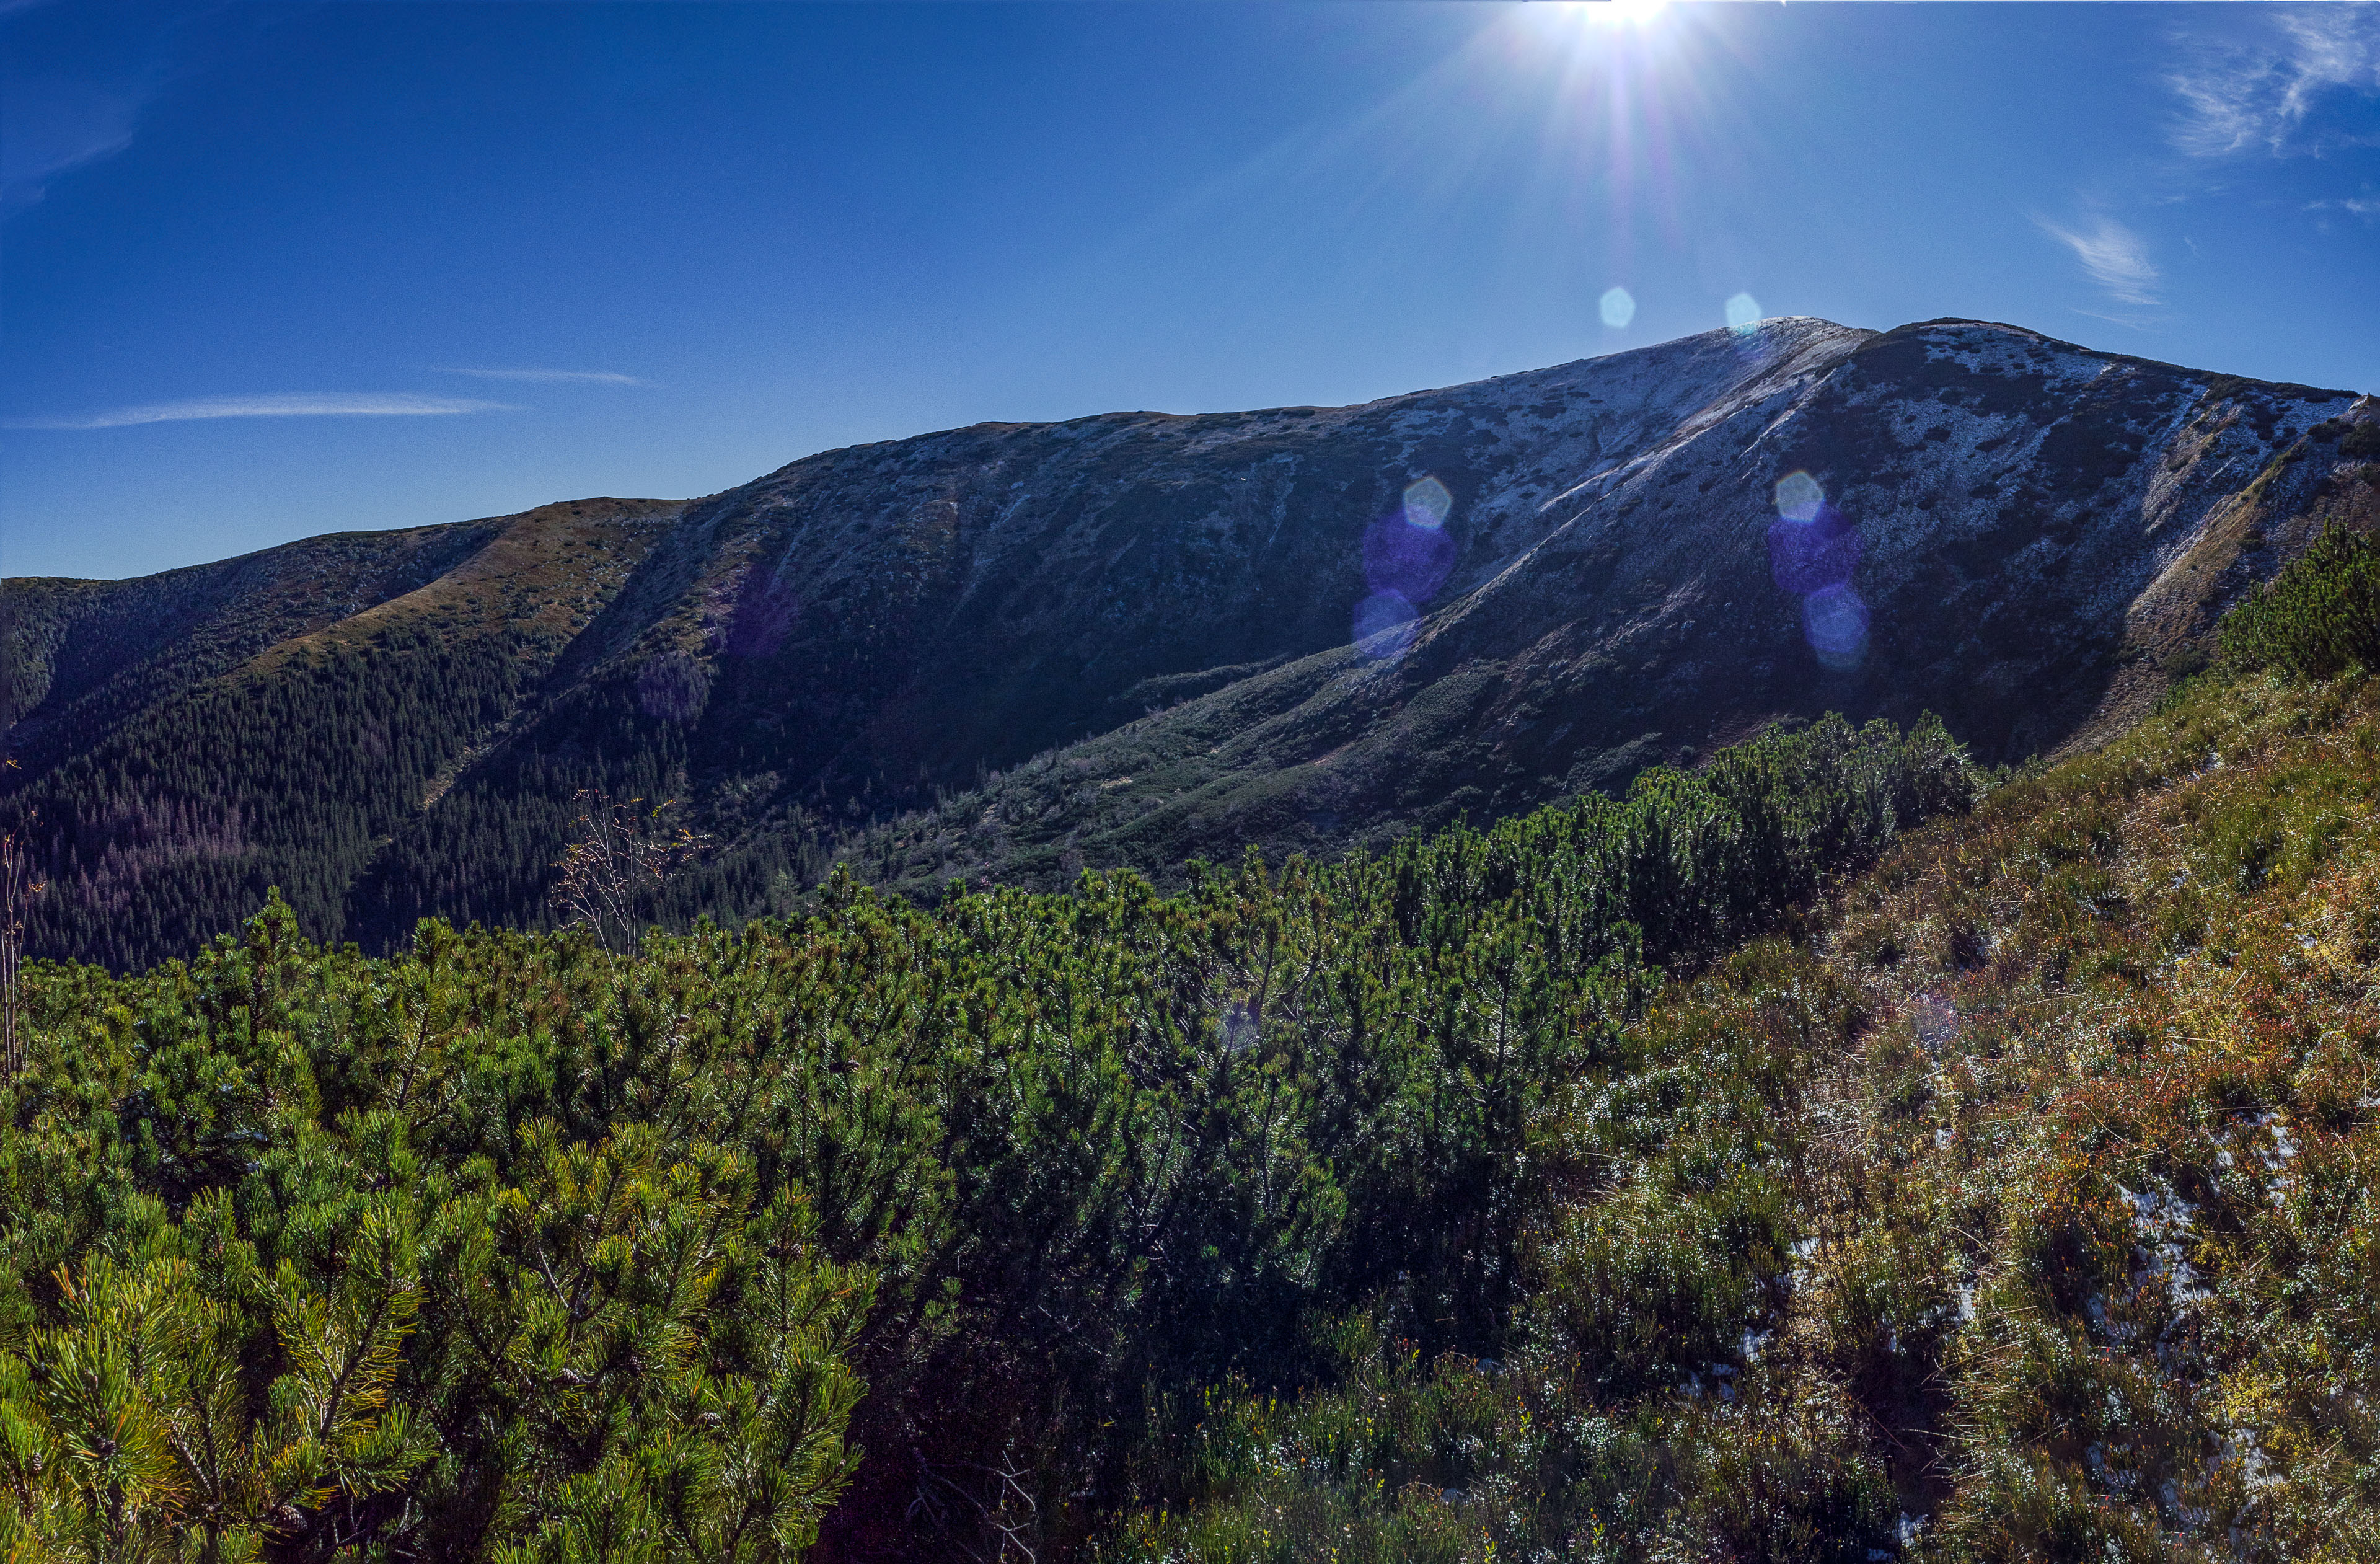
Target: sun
{"points": [[1623, 13], [1593, 24], [1600, 13]]}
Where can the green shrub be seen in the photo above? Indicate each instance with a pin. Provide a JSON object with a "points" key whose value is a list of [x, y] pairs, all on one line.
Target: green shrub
{"points": [[2318, 617], [1784, 1480], [1651, 1291]]}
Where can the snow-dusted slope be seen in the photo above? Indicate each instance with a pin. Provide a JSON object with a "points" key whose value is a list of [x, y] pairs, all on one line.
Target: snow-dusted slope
{"points": [[928, 606], [2023, 535]]}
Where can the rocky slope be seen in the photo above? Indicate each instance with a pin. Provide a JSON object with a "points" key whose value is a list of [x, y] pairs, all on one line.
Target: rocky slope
{"points": [[2022, 535], [1017, 649]]}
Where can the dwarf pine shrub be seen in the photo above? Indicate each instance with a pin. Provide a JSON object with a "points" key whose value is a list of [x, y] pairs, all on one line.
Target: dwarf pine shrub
{"points": [[2318, 617]]}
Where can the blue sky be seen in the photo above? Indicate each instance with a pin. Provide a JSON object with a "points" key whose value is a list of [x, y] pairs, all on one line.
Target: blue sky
{"points": [[275, 270]]}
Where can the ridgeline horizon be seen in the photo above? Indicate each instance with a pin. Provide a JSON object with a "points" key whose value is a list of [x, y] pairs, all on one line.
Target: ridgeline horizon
{"points": [[1012, 652]]}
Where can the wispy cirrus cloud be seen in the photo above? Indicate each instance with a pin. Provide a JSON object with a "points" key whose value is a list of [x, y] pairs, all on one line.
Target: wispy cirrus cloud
{"points": [[50, 126], [2366, 207], [2287, 89], [2114, 255], [558, 377], [75, 81], [275, 405]]}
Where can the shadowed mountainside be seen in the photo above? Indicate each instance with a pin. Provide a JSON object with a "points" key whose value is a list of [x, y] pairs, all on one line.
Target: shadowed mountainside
{"points": [[1016, 651], [2026, 537]]}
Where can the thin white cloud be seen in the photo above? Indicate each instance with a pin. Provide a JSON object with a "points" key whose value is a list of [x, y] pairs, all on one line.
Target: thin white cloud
{"points": [[2272, 92], [2129, 323], [2114, 255], [49, 127], [278, 404], [2361, 206], [563, 377]]}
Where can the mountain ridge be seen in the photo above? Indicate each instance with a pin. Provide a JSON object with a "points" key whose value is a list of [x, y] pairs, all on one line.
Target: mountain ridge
{"points": [[1015, 650]]}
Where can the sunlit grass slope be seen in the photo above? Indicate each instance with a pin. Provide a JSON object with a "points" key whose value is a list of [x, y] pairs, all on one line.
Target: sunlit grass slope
{"points": [[2022, 1208]]}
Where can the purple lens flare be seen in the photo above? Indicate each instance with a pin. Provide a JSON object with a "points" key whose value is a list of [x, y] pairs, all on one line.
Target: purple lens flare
{"points": [[1809, 556], [1835, 622], [1385, 625], [1409, 561], [1407, 554], [1813, 552]]}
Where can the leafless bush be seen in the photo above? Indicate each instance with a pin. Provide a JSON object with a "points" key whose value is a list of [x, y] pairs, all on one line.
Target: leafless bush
{"points": [[622, 854], [17, 890]]}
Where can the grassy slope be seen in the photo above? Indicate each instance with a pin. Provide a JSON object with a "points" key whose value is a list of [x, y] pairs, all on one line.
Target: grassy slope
{"points": [[2029, 1192], [1269, 757], [541, 577], [84, 657], [295, 764]]}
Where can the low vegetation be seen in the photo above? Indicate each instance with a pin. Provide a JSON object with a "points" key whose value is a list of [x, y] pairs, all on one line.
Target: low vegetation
{"points": [[1743, 1169], [2316, 621], [2020, 1208]]}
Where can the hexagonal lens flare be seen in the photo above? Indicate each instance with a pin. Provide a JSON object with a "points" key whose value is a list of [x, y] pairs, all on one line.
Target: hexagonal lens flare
{"points": [[1799, 496], [1427, 504], [1812, 551]]}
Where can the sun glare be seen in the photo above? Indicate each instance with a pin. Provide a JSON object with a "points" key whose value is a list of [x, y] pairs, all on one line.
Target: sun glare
{"points": [[1631, 13], [1600, 13], [1622, 96]]}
